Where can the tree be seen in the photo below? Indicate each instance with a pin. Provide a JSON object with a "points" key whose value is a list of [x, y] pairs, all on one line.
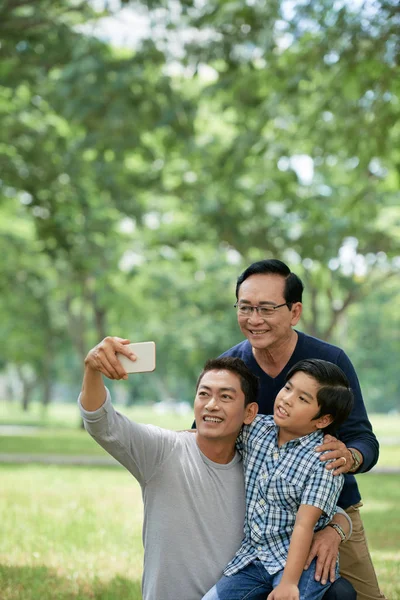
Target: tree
{"points": [[150, 177]]}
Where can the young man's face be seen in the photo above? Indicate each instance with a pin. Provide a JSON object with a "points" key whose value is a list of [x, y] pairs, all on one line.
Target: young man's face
{"points": [[296, 406], [270, 331], [219, 407]]}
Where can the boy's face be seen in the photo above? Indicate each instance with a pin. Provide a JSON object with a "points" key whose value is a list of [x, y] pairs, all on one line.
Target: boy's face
{"points": [[296, 406]]}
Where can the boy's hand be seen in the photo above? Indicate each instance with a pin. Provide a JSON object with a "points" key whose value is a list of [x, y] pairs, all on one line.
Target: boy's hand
{"points": [[285, 591]]}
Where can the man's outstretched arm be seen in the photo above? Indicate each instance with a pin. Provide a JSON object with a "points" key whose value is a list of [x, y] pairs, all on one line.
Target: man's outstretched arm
{"points": [[139, 448]]}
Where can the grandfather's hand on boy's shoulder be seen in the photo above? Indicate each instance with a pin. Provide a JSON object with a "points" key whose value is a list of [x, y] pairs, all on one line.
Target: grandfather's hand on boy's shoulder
{"points": [[336, 451], [103, 357], [325, 548]]}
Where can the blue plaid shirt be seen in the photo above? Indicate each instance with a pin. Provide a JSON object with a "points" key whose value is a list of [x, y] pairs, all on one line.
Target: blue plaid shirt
{"points": [[278, 480]]}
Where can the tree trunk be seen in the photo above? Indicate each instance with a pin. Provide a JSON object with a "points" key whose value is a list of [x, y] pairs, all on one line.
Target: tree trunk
{"points": [[28, 385]]}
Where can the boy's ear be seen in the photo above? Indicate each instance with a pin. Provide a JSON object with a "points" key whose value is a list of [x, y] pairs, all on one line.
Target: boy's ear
{"points": [[323, 421], [250, 413]]}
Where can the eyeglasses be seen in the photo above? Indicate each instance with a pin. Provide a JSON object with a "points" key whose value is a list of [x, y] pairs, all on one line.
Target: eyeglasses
{"points": [[245, 310]]}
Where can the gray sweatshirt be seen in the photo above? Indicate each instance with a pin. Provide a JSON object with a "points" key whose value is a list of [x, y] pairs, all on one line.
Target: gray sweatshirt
{"points": [[193, 508]]}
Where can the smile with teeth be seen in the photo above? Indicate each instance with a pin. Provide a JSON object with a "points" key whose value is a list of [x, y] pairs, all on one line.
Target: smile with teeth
{"points": [[281, 411], [258, 332], [212, 419]]}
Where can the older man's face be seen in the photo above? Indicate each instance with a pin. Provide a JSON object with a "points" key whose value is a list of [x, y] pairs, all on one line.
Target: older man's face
{"points": [[266, 332]]}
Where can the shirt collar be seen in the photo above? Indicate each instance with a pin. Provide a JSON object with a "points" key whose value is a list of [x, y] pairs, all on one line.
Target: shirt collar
{"points": [[305, 440]]}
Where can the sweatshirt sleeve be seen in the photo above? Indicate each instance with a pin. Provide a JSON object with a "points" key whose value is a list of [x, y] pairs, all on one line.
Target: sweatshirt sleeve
{"points": [[141, 449], [357, 432], [340, 511]]}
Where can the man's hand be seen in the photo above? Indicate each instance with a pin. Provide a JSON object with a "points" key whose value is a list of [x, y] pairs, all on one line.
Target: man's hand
{"points": [[325, 546], [334, 450], [103, 358], [284, 591]]}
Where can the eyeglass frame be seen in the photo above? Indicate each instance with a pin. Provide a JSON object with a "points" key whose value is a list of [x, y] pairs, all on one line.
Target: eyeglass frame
{"points": [[257, 308]]}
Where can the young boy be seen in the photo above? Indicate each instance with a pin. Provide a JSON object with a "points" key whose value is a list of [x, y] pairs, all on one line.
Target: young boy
{"points": [[289, 492]]}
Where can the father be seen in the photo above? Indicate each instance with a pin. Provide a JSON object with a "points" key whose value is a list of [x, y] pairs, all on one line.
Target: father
{"points": [[269, 305], [192, 485]]}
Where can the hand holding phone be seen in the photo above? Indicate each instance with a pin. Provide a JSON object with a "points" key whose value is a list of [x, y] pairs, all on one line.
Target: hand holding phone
{"points": [[145, 358]]}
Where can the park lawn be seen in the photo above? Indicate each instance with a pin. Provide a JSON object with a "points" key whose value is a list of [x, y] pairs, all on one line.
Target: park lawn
{"points": [[58, 431], [71, 442], [52, 441], [69, 533], [66, 416], [75, 533]]}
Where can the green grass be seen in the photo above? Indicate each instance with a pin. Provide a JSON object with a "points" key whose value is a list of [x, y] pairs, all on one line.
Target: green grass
{"points": [[66, 416], [59, 431], [386, 426], [380, 514], [75, 533], [52, 441], [389, 456], [69, 533]]}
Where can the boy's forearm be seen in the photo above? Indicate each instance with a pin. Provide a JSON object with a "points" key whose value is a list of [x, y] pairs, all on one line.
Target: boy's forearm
{"points": [[299, 548], [300, 543]]}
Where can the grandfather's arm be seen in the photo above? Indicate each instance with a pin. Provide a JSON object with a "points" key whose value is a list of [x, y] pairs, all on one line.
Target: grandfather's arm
{"points": [[357, 443], [325, 546], [357, 432]]}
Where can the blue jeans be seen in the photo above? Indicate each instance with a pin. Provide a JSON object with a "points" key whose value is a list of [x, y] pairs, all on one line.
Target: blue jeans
{"points": [[254, 583]]}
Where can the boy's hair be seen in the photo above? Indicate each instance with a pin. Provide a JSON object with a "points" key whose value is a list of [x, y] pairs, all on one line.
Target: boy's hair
{"points": [[334, 396], [293, 291], [248, 381]]}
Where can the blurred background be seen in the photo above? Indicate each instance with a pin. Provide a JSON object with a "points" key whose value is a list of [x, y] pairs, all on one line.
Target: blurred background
{"points": [[149, 151]]}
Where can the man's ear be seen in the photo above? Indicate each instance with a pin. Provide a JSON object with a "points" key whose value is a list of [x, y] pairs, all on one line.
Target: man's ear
{"points": [[251, 411], [296, 310], [324, 421]]}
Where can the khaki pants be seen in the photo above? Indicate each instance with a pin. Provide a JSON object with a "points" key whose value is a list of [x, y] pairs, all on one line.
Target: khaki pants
{"points": [[355, 560]]}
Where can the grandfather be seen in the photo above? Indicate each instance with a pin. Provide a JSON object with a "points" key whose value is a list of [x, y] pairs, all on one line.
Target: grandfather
{"points": [[269, 305]]}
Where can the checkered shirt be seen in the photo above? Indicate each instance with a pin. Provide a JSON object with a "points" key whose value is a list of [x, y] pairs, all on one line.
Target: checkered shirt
{"points": [[278, 480]]}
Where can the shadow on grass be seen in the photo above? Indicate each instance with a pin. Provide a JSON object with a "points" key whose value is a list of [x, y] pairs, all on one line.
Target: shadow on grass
{"points": [[42, 583]]}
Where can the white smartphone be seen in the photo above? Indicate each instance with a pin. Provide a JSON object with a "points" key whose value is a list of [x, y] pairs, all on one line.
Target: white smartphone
{"points": [[145, 361]]}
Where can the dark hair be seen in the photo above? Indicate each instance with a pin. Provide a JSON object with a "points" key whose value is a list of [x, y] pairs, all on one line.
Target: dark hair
{"points": [[248, 381], [334, 397], [293, 291]]}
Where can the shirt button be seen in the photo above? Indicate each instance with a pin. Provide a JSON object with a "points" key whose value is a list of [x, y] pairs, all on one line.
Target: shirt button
{"points": [[262, 502], [259, 548]]}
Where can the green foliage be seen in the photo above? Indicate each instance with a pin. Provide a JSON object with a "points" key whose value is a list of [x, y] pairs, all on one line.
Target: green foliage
{"points": [[375, 342], [137, 183]]}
